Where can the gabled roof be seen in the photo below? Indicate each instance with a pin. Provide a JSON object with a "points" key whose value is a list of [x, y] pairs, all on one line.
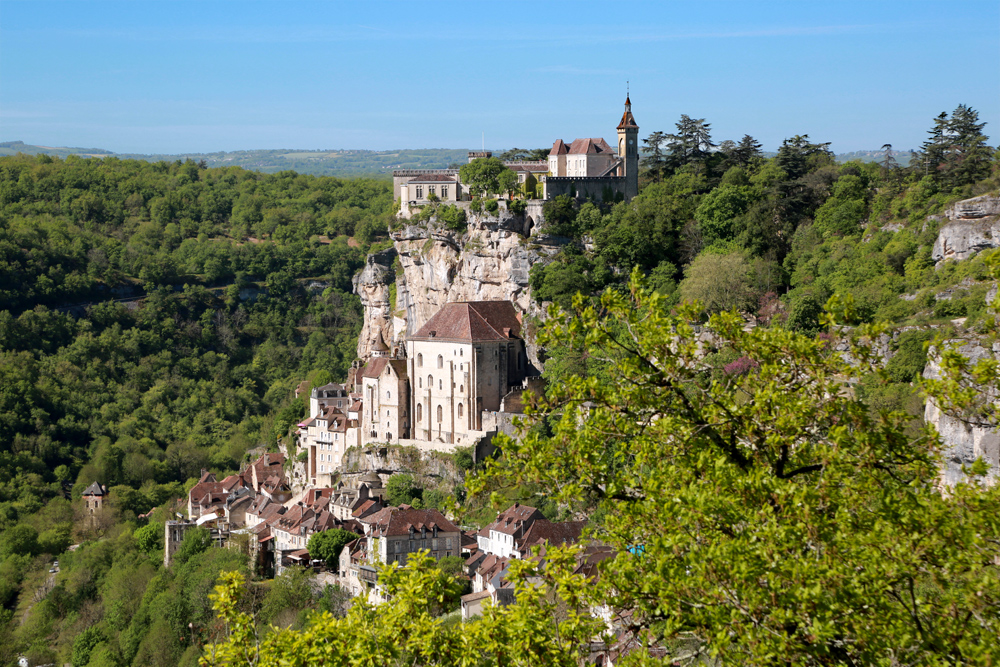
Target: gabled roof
{"points": [[559, 148], [471, 321], [512, 519]]}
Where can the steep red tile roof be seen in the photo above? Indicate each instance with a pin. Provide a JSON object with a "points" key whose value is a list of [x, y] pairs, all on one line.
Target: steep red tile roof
{"points": [[470, 321], [513, 519], [559, 148], [589, 146], [628, 121]]}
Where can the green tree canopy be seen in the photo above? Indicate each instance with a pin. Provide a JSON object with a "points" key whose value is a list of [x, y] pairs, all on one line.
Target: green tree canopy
{"points": [[487, 176], [401, 488], [328, 544]]}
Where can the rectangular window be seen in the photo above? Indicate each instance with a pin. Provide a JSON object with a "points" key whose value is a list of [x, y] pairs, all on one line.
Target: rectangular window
{"points": [[420, 192], [447, 544], [444, 192], [430, 190]]}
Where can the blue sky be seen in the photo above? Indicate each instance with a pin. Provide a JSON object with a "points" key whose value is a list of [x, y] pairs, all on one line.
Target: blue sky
{"points": [[189, 76]]}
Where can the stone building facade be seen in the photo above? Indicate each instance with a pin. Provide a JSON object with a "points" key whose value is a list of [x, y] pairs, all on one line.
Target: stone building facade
{"points": [[463, 361]]}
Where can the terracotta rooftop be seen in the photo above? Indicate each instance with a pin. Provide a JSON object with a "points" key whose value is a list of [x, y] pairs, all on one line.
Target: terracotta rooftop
{"points": [[628, 121], [393, 521], [589, 146], [546, 532], [469, 321], [373, 368]]}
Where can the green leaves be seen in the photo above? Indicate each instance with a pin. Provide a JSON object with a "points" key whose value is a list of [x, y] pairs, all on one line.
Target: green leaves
{"points": [[763, 515]]}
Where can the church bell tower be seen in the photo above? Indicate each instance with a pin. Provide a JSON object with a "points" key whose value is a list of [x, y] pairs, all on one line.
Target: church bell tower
{"points": [[628, 150]]}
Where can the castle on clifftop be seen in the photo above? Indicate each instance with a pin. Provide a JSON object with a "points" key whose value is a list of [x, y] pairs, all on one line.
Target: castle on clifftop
{"points": [[584, 169]]}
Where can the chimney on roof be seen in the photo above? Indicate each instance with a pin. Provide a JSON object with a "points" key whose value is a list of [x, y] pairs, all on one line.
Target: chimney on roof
{"points": [[506, 332]]}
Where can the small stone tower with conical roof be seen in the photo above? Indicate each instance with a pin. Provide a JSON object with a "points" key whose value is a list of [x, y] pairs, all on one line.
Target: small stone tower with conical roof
{"points": [[379, 348], [628, 150]]}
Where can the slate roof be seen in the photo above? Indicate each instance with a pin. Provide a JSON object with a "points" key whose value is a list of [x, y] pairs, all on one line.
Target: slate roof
{"points": [[94, 490], [559, 148], [471, 321]]}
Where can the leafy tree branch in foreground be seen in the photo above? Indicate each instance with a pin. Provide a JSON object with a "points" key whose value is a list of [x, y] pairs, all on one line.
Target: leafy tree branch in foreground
{"points": [[760, 512]]}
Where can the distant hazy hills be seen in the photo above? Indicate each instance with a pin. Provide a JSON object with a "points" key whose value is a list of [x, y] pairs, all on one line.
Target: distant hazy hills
{"points": [[328, 163]]}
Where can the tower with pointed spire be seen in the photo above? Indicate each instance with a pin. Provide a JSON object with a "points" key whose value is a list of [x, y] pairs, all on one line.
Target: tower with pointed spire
{"points": [[628, 150]]}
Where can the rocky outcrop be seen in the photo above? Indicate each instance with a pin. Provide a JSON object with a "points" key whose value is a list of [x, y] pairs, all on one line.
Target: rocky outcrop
{"points": [[373, 287], [491, 260], [964, 442], [973, 225]]}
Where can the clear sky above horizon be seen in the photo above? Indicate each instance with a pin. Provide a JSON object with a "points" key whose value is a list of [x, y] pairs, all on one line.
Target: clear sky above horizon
{"points": [[186, 76]]}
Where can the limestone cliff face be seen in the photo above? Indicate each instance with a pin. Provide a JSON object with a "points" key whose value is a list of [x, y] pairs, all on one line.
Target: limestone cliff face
{"points": [[964, 442], [973, 225], [432, 266]]}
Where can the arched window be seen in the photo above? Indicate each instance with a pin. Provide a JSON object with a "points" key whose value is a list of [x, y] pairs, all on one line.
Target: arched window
{"points": [[440, 361], [461, 352], [461, 388], [440, 384], [440, 414], [460, 409], [420, 382], [430, 381], [388, 395], [420, 412], [420, 360]]}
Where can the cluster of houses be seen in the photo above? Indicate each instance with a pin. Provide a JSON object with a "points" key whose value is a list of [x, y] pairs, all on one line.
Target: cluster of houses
{"points": [[584, 168]]}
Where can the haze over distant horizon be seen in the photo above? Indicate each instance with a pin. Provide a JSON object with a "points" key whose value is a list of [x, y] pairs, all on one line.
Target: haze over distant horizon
{"points": [[193, 77]]}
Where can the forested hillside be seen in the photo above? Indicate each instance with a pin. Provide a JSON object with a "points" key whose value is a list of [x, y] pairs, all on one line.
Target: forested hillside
{"points": [[775, 238], [154, 319], [232, 287]]}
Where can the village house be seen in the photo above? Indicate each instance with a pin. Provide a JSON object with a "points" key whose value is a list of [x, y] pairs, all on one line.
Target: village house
{"points": [[391, 536], [358, 501], [333, 427]]}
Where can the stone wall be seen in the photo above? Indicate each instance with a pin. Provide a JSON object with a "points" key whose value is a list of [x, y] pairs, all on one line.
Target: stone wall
{"points": [[598, 188]]}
